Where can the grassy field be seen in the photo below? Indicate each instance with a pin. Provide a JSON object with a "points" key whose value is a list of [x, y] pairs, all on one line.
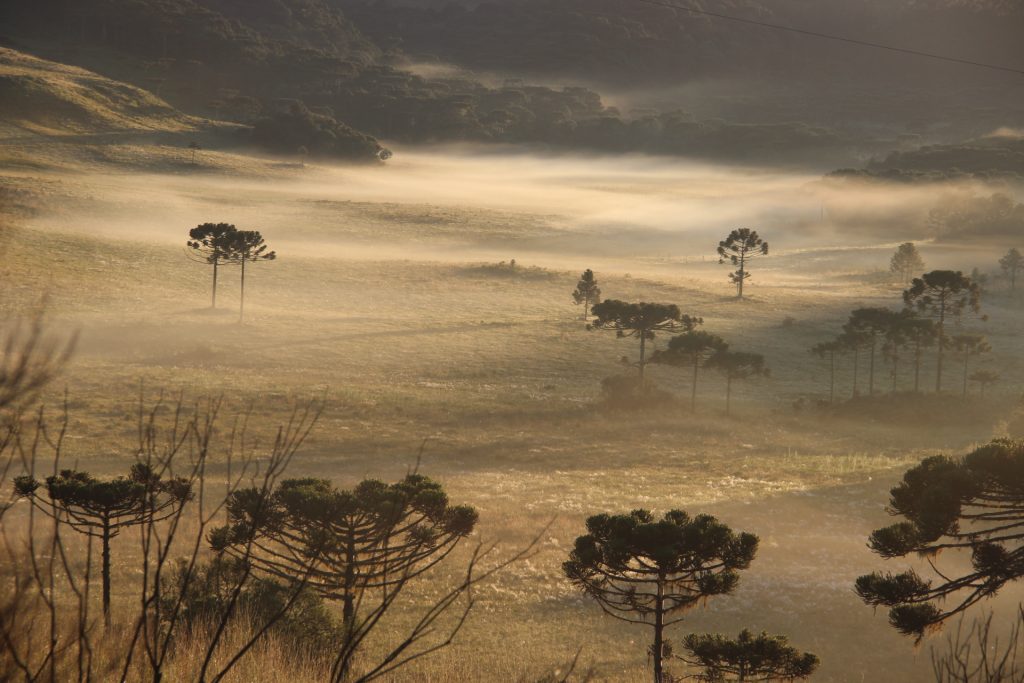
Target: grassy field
{"points": [[391, 306]]}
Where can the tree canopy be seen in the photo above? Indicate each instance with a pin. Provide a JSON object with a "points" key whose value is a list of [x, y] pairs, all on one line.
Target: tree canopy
{"points": [[971, 504], [746, 658], [739, 248], [641, 320]]}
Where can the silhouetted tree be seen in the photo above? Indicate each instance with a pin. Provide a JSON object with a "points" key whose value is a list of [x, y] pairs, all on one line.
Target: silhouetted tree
{"points": [[650, 572], [974, 503], [690, 350], [736, 365], [905, 262], [587, 292], [103, 509], [984, 378], [360, 547], [640, 320], [211, 243], [1011, 264], [943, 295], [967, 345], [739, 248], [746, 658], [919, 333], [869, 325], [246, 246], [851, 341], [829, 350]]}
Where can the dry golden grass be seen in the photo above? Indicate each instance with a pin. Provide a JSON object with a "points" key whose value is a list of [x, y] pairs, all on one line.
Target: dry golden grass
{"points": [[384, 306]]}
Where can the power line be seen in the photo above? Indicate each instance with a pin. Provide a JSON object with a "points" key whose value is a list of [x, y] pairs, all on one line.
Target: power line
{"points": [[829, 36]]}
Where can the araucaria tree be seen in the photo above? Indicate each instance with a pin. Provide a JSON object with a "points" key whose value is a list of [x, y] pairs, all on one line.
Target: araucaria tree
{"points": [[587, 292], [973, 504], [360, 547], [829, 350], [690, 350], [247, 246], [871, 325], [984, 378], [905, 262], [650, 572], [642, 321], [1011, 264], [746, 658], [210, 243], [943, 295], [967, 346], [739, 248], [104, 508], [736, 365]]}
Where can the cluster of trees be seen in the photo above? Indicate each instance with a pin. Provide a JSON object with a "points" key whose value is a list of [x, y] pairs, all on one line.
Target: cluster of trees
{"points": [[692, 349], [219, 244], [933, 302]]}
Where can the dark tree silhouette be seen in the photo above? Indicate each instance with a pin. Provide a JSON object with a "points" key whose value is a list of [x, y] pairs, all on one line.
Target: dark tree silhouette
{"points": [[869, 325], [690, 350], [746, 658], [360, 547], [102, 509], [1011, 264], [974, 503], [246, 246], [650, 572], [830, 350], [211, 243], [736, 365], [587, 292], [905, 262], [966, 346], [943, 295], [640, 320], [984, 378], [919, 333], [851, 341], [739, 248]]}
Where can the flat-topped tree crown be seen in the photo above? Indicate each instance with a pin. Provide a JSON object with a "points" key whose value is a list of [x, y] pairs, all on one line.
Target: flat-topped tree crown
{"points": [[641, 320], [247, 246], [973, 504], [103, 508], [692, 350], [747, 657], [739, 248], [650, 571], [736, 365]]}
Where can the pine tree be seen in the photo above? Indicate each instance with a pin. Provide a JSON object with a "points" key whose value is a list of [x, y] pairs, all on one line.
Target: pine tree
{"points": [[905, 262], [642, 321], [246, 246], [650, 572], [690, 350], [967, 346], [587, 292], [736, 365], [746, 658], [210, 243], [1011, 264], [739, 248]]}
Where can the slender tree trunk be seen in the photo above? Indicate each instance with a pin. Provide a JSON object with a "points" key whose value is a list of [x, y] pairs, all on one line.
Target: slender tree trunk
{"points": [[742, 271], [728, 394], [643, 357], [832, 378], [105, 572], [659, 629], [967, 358], [586, 309], [241, 302], [693, 389], [213, 303], [917, 366], [871, 370]]}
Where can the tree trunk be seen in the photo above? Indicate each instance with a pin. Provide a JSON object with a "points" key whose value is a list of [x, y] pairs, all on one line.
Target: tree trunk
{"points": [[659, 629], [105, 572], [213, 303], [241, 301], [643, 357], [942, 346], [917, 366], [871, 370], [832, 378], [693, 389], [967, 358], [742, 271], [728, 394]]}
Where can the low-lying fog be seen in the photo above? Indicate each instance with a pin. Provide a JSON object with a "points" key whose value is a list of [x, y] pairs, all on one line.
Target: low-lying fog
{"points": [[464, 203]]}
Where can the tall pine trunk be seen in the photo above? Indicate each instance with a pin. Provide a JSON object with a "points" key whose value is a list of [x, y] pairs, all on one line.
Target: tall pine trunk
{"points": [[105, 572], [213, 303], [241, 302], [659, 632]]}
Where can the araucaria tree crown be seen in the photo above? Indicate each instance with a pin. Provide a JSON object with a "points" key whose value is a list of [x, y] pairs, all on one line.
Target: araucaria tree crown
{"points": [[739, 248], [641, 320], [647, 571], [587, 292], [973, 504], [748, 657], [211, 243]]}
